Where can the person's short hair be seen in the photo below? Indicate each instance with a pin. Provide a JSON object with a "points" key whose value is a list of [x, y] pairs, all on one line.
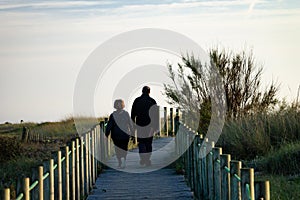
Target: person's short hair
{"points": [[146, 90], [119, 104]]}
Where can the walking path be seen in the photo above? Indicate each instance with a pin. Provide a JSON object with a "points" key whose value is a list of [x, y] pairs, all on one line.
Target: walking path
{"points": [[140, 182]]}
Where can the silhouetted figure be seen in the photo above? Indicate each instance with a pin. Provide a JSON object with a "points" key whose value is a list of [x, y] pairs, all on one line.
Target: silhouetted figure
{"points": [[120, 126], [143, 114]]}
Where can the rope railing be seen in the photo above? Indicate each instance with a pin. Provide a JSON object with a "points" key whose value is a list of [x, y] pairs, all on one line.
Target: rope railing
{"points": [[213, 175]]}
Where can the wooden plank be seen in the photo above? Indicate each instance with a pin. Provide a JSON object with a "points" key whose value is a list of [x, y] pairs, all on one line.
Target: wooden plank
{"points": [[217, 151], [41, 182], [59, 174], [262, 190], [210, 172], [247, 179], [51, 178], [67, 173], [6, 194], [77, 168], [235, 185], [225, 185], [26, 189]]}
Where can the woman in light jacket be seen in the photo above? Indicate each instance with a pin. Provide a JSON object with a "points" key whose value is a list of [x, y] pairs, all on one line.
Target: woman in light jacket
{"points": [[121, 128]]}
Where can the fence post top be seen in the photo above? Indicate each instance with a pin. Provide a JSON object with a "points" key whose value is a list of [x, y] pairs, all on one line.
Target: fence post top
{"points": [[226, 156]]}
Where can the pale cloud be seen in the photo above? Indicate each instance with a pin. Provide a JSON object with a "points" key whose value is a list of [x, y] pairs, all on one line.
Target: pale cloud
{"points": [[252, 6], [53, 4]]}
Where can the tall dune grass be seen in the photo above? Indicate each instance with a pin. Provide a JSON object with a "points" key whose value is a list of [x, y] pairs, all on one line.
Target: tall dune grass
{"points": [[253, 136]]}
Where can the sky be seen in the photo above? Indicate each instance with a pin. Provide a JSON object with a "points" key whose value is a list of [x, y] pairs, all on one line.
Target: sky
{"points": [[43, 45]]}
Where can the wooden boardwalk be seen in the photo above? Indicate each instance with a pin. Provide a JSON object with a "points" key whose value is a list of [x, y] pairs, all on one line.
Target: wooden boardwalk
{"points": [[140, 182]]}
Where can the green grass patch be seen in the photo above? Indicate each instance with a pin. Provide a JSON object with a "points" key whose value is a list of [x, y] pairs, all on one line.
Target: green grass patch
{"points": [[283, 187], [256, 135], [17, 158], [284, 161]]}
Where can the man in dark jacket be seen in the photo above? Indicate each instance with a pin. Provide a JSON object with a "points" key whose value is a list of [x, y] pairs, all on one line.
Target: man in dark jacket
{"points": [[144, 114]]}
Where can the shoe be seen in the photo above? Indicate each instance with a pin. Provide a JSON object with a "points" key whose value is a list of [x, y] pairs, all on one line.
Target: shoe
{"points": [[123, 165], [120, 164], [148, 163], [142, 162]]}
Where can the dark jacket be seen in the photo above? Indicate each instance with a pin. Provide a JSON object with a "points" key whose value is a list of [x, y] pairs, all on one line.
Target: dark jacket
{"points": [[119, 125], [145, 113], [140, 109]]}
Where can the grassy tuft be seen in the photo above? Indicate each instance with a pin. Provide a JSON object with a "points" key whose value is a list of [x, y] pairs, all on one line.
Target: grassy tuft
{"points": [[284, 161], [254, 136]]}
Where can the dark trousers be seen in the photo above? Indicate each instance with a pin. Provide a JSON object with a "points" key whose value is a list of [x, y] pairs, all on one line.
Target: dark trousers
{"points": [[121, 147], [145, 149]]}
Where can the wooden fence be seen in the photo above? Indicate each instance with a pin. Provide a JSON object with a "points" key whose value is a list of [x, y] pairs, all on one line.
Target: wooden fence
{"points": [[72, 171], [215, 175]]}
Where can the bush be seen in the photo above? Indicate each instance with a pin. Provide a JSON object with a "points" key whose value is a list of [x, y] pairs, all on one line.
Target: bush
{"points": [[10, 148]]}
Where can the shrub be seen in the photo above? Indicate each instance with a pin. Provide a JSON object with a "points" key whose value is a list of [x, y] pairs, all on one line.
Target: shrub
{"points": [[284, 161], [10, 148]]}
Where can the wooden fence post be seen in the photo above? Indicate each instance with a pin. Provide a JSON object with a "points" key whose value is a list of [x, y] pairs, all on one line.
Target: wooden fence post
{"points": [[90, 161], [235, 185], [262, 190], [41, 182], [107, 142], [59, 173], [166, 125], [87, 185], [217, 151], [82, 186], [77, 150], [102, 141], [204, 168], [188, 160], [67, 172], [99, 144], [176, 121], [93, 175], [51, 178], [210, 172], [26, 189], [6, 194], [193, 161], [63, 171], [171, 121], [73, 172], [225, 164], [247, 182], [25, 134], [198, 169]]}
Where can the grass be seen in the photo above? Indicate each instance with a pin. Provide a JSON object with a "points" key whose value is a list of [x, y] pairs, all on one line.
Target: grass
{"points": [[255, 135], [282, 168], [284, 161], [283, 187], [17, 158], [270, 143]]}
